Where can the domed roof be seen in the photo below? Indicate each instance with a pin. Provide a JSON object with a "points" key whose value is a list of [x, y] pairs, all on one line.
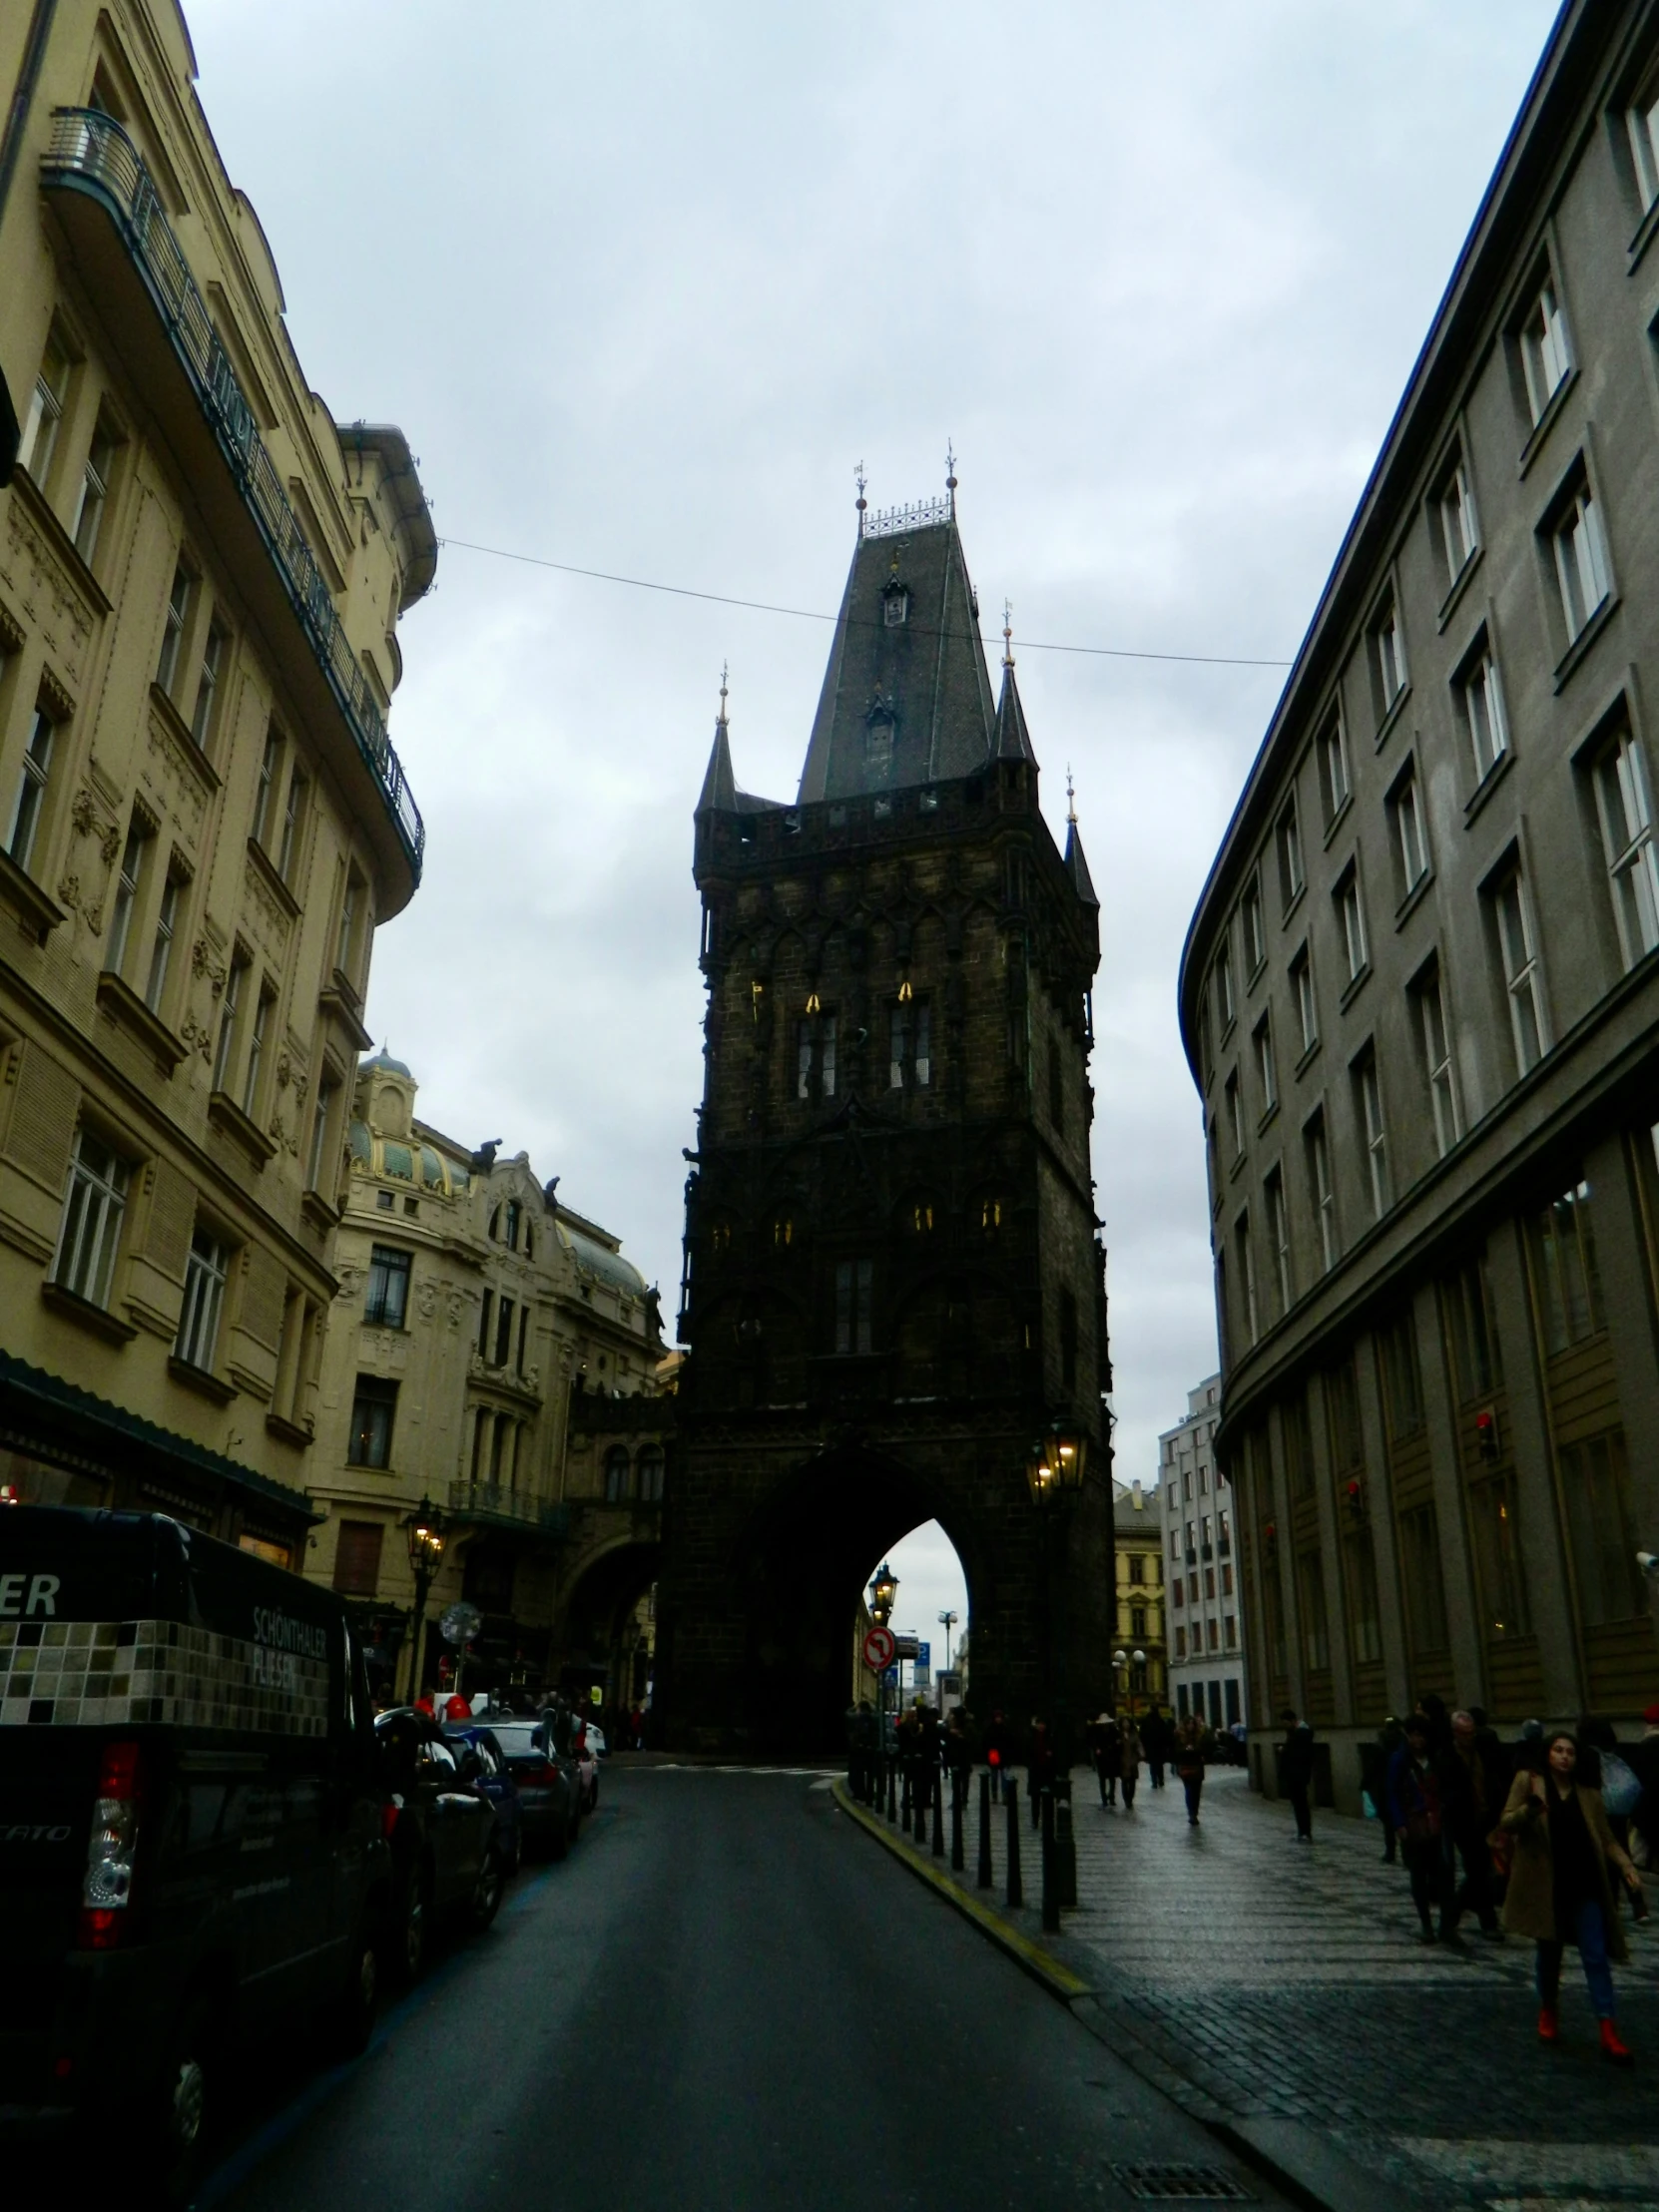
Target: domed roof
{"points": [[383, 1064], [404, 1160]]}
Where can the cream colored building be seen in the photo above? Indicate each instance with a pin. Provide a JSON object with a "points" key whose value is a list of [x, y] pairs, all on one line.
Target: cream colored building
{"points": [[201, 819], [1138, 1570], [492, 1355]]}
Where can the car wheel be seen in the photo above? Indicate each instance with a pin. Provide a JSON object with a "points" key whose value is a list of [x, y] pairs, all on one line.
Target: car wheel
{"points": [[486, 1891], [179, 2112], [353, 2022]]}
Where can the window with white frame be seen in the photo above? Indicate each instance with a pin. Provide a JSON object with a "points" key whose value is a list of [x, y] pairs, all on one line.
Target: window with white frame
{"points": [[1480, 698], [173, 628], [1291, 876], [1410, 840], [1460, 531], [1279, 1235], [1642, 119], [294, 823], [265, 799], [1627, 839], [1436, 1058], [30, 802], [386, 1293], [45, 409], [206, 681], [1581, 565], [1255, 937], [1374, 1131], [1388, 649], [161, 948], [235, 977], [205, 1276], [1307, 1013], [1543, 348], [95, 490], [1352, 919], [326, 1092], [1265, 1077], [255, 1051], [1334, 776], [1522, 982], [1320, 1189], [90, 1234], [127, 883]]}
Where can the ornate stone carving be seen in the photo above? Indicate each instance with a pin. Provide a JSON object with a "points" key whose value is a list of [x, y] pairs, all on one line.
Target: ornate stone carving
{"points": [[44, 592], [426, 1300], [69, 891]]}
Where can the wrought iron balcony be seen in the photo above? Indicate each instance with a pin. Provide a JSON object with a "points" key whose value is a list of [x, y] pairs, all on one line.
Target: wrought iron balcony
{"points": [[90, 152], [493, 1503]]}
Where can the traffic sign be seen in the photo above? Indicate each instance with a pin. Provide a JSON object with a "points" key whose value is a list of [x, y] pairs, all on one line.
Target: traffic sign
{"points": [[461, 1622], [925, 1653], [879, 1649]]}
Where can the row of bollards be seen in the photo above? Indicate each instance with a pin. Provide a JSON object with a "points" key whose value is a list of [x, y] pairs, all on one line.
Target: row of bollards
{"points": [[915, 1797]]}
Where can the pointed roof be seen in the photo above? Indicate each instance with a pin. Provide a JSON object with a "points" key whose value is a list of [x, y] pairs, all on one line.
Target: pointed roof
{"points": [[1077, 868], [1014, 740], [720, 784], [906, 696]]}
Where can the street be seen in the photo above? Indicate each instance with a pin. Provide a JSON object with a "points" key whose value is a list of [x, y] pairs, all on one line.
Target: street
{"points": [[727, 1998]]}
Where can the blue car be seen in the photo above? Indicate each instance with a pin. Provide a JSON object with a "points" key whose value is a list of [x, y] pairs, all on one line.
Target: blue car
{"points": [[497, 1784]]}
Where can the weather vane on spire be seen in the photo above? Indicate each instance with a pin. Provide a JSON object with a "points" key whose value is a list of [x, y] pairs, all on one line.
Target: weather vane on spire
{"points": [[723, 672], [950, 472], [1071, 802], [859, 479], [1007, 635]]}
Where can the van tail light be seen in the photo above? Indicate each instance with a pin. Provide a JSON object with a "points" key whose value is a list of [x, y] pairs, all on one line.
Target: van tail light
{"points": [[390, 1811], [112, 1846]]}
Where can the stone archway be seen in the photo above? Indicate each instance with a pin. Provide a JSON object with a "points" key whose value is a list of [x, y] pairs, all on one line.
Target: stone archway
{"points": [[597, 1613]]}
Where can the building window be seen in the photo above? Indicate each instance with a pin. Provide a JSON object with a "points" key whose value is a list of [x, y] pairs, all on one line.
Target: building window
{"points": [[1627, 839], [1581, 566], [1521, 980], [1498, 1574], [45, 410], [1235, 1113], [1279, 1238], [1224, 987], [651, 1474], [1332, 761], [1387, 658], [909, 1045], [1262, 1039], [125, 893], [1316, 1632], [31, 790], [1419, 1544], [95, 490], [1543, 348], [1475, 1346], [504, 1309], [373, 1411], [357, 1558], [486, 1301], [256, 1050], [1369, 1091], [1436, 1055], [854, 1290], [1595, 1480], [1353, 922], [1246, 1277], [1642, 118], [1460, 531], [293, 824], [618, 1475], [1364, 1625], [895, 606], [1479, 698], [161, 948], [1230, 1638], [1289, 840], [387, 1295], [1181, 1653], [1321, 1191], [1570, 1277], [515, 1217], [233, 980], [1307, 1013], [204, 1274], [1410, 841], [1254, 938], [173, 628], [326, 1092], [265, 797], [1137, 1568], [816, 1057], [90, 1234], [206, 682]]}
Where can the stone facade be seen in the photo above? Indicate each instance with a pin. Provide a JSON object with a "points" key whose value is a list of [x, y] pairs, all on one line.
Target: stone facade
{"points": [[893, 1274], [202, 821], [1420, 993], [492, 1354], [1207, 1641]]}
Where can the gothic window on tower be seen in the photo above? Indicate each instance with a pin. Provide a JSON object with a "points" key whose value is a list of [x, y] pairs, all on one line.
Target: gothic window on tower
{"points": [[878, 748], [815, 1057], [895, 606], [855, 1289], [909, 1045]]}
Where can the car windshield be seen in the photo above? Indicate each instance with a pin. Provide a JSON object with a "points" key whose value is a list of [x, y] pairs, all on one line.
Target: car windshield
{"points": [[520, 1742]]}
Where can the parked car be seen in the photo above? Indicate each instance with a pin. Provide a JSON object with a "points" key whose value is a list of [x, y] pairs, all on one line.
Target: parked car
{"points": [[442, 1831], [546, 1779], [499, 1786], [191, 1836]]}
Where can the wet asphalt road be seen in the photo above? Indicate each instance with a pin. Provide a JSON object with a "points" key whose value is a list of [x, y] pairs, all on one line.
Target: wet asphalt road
{"points": [[728, 1997]]}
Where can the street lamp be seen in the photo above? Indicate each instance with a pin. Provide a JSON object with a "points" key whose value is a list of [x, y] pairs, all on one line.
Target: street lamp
{"points": [[882, 1591], [947, 1622], [1054, 1477], [425, 1533]]}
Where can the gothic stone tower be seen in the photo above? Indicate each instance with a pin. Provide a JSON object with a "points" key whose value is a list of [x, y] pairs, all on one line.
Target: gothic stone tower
{"points": [[893, 1270]]}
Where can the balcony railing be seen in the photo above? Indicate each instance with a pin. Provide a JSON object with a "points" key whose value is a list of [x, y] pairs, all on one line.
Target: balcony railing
{"points": [[494, 1503], [91, 152]]}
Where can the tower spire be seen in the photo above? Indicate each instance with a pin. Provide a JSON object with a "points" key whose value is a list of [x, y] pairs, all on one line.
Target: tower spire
{"points": [[1071, 798], [720, 785], [950, 476], [1007, 635], [859, 479], [721, 719]]}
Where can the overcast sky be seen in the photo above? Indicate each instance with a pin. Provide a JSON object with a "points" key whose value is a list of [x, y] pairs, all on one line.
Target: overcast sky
{"points": [[642, 283]]}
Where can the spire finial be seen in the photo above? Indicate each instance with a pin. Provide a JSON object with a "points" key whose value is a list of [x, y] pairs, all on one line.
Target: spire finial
{"points": [[1007, 635], [722, 716], [1071, 798], [950, 475], [862, 502]]}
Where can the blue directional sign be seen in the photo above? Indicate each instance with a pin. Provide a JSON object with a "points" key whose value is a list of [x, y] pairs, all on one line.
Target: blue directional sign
{"points": [[891, 1678], [925, 1655]]}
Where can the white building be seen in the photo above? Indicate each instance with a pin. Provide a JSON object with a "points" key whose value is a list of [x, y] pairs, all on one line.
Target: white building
{"points": [[1206, 1636]]}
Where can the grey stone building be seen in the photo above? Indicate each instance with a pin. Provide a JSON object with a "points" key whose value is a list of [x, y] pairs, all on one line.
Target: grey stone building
{"points": [[1419, 993]]}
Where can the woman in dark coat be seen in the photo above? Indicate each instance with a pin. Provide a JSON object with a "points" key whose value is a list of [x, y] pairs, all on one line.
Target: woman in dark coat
{"points": [[1106, 1750], [1414, 1807], [1560, 1886]]}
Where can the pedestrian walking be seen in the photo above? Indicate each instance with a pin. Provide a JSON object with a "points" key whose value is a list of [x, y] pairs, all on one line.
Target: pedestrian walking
{"points": [[1106, 1751], [1295, 1771], [998, 1750], [1471, 1796], [1129, 1741], [1415, 1800], [1375, 1759], [1155, 1742], [1561, 1886], [1188, 1761]]}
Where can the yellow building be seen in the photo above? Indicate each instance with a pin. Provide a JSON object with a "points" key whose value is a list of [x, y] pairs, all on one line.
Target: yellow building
{"points": [[1143, 1678], [493, 1357], [201, 819]]}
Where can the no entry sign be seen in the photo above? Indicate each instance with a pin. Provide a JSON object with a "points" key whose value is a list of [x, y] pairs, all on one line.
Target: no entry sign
{"points": [[878, 1650]]}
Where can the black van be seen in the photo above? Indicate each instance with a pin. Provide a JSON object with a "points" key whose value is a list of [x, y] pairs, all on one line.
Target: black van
{"points": [[191, 1833]]}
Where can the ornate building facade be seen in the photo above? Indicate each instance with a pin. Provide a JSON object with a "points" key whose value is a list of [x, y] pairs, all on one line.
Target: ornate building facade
{"points": [[894, 1272], [493, 1355], [202, 818], [1420, 993], [1139, 1627]]}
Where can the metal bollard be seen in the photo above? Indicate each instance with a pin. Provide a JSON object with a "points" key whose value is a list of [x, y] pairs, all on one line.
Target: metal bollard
{"points": [[939, 1812], [1010, 1793], [892, 1804], [985, 1879], [925, 1800], [1065, 1851], [904, 1800], [958, 1856], [1052, 1871]]}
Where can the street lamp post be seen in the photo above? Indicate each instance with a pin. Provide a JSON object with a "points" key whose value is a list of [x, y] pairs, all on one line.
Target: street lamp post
{"points": [[1054, 1475], [425, 1535], [947, 1622], [882, 1591]]}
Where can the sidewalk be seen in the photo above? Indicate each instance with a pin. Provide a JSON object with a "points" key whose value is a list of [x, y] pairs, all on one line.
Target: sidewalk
{"points": [[1271, 1985]]}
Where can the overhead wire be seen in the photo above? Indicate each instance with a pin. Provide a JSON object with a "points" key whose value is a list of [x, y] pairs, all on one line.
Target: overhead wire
{"points": [[814, 614]]}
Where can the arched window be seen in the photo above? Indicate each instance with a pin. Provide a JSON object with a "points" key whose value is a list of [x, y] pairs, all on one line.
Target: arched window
{"points": [[513, 1212], [618, 1487], [651, 1474]]}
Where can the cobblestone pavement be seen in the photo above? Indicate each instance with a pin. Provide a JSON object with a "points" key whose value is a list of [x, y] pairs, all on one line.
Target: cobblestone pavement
{"points": [[1284, 1980]]}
